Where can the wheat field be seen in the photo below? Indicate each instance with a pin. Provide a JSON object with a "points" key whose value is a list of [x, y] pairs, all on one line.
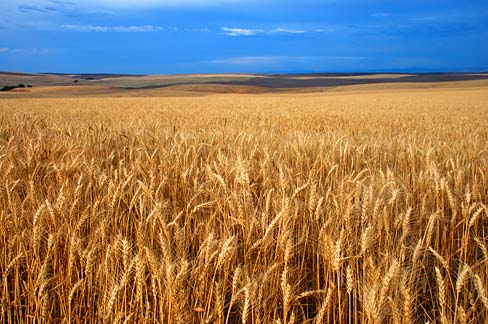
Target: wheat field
{"points": [[353, 207]]}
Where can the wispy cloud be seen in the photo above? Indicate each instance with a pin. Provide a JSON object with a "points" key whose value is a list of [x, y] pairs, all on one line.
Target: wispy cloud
{"points": [[23, 51], [250, 60], [67, 8], [165, 3], [29, 8], [381, 14], [117, 29], [324, 30], [198, 30], [288, 31], [240, 31], [272, 60], [62, 2], [124, 4], [236, 32]]}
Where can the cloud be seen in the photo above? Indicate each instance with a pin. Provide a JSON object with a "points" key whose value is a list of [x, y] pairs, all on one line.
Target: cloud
{"points": [[117, 29], [381, 14], [288, 31], [23, 51], [250, 60], [240, 31], [236, 32], [273, 60], [61, 2], [29, 8], [31, 5], [198, 30], [324, 30], [164, 3], [67, 8]]}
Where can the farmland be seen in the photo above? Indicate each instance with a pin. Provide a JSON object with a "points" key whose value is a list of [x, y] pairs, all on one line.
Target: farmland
{"points": [[361, 205]]}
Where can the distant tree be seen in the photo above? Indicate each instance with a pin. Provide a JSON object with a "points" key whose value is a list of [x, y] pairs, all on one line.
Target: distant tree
{"points": [[10, 87], [76, 81], [7, 88]]}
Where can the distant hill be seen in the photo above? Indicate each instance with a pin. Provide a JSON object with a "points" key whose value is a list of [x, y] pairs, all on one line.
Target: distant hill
{"points": [[226, 83]]}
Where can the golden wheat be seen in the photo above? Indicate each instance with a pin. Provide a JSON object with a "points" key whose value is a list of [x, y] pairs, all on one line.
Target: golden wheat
{"points": [[341, 207]]}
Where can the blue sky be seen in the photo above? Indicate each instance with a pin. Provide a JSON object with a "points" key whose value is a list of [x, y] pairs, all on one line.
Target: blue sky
{"points": [[213, 36]]}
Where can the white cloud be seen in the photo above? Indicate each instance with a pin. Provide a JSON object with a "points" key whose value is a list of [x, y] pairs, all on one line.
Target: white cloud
{"points": [[41, 5], [251, 60], [235, 32], [196, 30], [324, 30], [271, 60], [119, 29], [240, 31], [23, 51], [381, 14], [161, 3], [288, 31], [251, 32]]}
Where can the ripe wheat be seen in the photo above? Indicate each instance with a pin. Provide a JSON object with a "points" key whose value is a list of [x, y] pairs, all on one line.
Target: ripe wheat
{"points": [[313, 208]]}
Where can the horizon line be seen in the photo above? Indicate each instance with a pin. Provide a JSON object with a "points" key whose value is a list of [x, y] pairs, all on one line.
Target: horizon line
{"points": [[359, 72]]}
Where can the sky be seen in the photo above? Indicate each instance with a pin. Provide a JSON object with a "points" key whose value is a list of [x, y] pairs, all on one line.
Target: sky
{"points": [[260, 36]]}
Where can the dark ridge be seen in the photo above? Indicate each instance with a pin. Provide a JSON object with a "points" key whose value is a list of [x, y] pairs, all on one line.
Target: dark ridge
{"points": [[287, 82], [95, 76], [16, 73], [331, 74], [283, 82]]}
